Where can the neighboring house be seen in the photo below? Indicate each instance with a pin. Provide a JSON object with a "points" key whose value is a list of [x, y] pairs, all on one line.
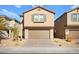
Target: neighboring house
{"points": [[38, 23], [67, 25], [7, 33]]}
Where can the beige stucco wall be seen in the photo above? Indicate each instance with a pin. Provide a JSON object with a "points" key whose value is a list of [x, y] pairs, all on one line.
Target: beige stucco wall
{"points": [[29, 23], [26, 34], [69, 22], [51, 34]]}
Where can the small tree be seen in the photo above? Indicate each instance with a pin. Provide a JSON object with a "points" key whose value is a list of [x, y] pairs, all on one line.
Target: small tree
{"points": [[15, 31], [14, 27], [2, 27]]}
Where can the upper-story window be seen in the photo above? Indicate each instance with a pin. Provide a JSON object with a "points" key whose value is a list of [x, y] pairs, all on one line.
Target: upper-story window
{"points": [[39, 18], [75, 17]]}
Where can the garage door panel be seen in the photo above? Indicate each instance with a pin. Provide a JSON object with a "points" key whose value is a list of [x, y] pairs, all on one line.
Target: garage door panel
{"points": [[74, 34], [38, 34]]}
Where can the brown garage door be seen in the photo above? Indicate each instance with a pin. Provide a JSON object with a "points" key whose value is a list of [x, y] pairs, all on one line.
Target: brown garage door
{"points": [[38, 34], [74, 33]]}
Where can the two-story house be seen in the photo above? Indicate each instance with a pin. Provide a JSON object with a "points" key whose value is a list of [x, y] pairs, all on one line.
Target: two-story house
{"points": [[68, 24], [38, 23]]}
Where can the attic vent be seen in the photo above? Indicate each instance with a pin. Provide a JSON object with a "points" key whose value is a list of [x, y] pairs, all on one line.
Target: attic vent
{"points": [[77, 10], [39, 9]]}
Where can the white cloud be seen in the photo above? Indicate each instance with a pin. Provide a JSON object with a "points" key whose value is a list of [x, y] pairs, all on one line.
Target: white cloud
{"points": [[18, 6], [9, 14], [37, 5], [74, 6], [34, 6]]}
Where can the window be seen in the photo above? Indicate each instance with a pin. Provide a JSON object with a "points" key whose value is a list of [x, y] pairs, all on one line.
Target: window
{"points": [[75, 17], [78, 17], [39, 17]]}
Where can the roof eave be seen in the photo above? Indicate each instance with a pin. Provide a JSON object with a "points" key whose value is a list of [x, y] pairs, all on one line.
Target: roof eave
{"points": [[41, 8]]}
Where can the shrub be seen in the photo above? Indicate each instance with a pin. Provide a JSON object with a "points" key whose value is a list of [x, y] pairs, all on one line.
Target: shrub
{"points": [[69, 38]]}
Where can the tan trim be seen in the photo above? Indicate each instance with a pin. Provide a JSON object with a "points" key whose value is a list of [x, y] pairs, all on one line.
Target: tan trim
{"points": [[40, 28], [73, 26], [41, 8]]}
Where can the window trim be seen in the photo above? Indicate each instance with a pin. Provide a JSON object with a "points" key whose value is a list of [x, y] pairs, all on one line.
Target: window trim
{"points": [[77, 18], [39, 21]]}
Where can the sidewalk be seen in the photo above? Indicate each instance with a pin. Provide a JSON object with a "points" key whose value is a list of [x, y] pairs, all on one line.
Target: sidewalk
{"points": [[39, 50]]}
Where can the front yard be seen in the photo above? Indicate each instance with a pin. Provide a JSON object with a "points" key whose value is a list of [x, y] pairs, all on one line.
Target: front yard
{"points": [[19, 43], [11, 43], [63, 43]]}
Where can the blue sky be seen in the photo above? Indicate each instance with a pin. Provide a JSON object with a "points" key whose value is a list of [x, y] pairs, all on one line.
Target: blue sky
{"points": [[14, 11]]}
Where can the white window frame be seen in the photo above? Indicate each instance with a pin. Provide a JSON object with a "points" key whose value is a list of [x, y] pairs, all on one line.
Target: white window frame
{"points": [[39, 20], [75, 19]]}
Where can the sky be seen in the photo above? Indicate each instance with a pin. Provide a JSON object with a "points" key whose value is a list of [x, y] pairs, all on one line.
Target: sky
{"points": [[13, 11]]}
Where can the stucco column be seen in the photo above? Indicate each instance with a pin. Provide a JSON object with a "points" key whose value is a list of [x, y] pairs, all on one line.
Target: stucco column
{"points": [[66, 33], [9, 33], [26, 34], [51, 34]]}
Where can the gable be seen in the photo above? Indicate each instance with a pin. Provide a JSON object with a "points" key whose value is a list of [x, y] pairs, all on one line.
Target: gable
{"points": [[74, 11], [39, 9]]}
